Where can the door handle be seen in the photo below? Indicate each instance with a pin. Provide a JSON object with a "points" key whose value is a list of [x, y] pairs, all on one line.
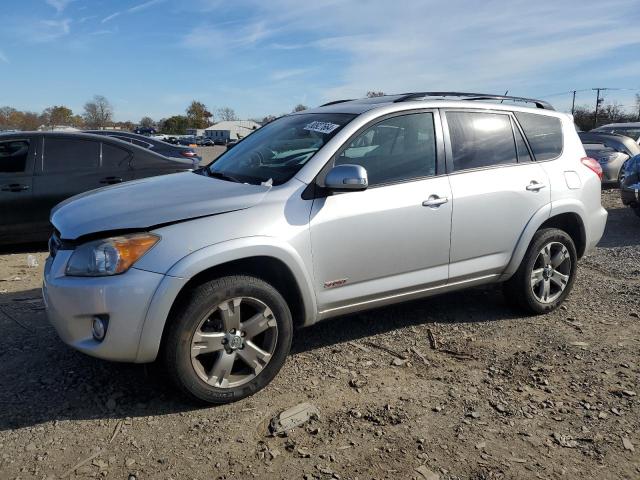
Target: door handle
{"points": [[111, 180], [15, 187], [535, 186], [435, 201]]}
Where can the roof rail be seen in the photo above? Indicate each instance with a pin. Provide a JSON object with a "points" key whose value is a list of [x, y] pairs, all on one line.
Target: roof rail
{"points": [[473, 96], [336, 101]]}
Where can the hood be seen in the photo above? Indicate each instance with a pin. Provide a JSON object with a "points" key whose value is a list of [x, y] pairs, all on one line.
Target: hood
{"points": [[145, 203]]}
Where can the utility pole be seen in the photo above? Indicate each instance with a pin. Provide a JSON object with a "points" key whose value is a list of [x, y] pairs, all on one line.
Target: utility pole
{"points": [[573, 104], [597, 105]]}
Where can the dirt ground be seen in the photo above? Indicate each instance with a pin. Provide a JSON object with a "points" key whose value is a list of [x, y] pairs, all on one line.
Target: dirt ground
{"points": [[501, 395]]}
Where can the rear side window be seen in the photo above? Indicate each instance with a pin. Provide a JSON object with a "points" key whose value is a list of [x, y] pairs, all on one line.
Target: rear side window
{"points": [[69, 154], [521, 146], [114, 157], [13, 156], [480, 140], [544, 134]]}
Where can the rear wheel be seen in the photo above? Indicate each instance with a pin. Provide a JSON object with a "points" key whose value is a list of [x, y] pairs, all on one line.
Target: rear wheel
{"points": [[547, 272], [230, 339]]}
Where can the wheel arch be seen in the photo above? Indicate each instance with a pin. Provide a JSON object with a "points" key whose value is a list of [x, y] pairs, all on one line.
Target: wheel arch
{"points": [[278, 265], [567, 217]]}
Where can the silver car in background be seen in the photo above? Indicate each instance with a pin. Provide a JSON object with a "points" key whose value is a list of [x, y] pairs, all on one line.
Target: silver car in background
{"points": [[611, 151], [629, 129], [329, 211]]}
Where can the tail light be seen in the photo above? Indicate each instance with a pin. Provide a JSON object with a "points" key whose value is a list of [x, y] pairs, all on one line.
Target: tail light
{"points": [[593, 165], [188, 154]]}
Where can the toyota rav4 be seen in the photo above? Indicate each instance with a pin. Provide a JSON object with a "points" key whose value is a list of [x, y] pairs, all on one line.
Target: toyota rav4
{"points": [[349, 206]]}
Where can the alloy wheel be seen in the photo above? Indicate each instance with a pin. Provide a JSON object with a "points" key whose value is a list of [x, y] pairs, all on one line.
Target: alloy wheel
{"points": [[551, 272], [234, 342]]}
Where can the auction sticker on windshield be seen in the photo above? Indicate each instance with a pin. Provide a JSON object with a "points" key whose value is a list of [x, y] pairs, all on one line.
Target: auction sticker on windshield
{"points": [[321, 127]]}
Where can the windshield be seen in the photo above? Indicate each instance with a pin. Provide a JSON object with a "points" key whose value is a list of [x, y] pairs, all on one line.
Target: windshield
{"points": [[274, 153]]}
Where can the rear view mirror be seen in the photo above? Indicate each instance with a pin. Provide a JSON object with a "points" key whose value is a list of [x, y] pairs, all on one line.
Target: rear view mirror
{"points": [[347, 178]]}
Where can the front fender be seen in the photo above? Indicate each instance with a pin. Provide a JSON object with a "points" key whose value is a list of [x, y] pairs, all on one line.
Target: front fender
{"points": [[189, 266]]}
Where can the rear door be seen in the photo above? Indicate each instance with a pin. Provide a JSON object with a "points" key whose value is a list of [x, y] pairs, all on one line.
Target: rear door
{"points": [[16, 186], [496, 188], [70, 165]]}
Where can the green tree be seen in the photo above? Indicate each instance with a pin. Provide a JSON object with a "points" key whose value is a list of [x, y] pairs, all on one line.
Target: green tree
{"points": [[176, 125], [98, 112], [57, 115], [198, 115]]}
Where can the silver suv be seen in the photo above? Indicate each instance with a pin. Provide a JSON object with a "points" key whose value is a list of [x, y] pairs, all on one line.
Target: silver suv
{"points": [[320, 213]]}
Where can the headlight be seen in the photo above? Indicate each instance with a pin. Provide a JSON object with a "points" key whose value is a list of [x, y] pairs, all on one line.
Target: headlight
{"points": [[110, 256]]}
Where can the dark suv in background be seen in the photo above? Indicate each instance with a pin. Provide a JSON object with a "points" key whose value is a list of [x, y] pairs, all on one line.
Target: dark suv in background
{"points": [[40, 169]]}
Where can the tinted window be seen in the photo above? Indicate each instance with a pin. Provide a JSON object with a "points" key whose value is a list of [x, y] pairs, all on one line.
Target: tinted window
{"points": [[628, 132], [67, 154], [400, 148], [480, 140], [114, 157], [543, 133], [521, 146], [13, 156]]}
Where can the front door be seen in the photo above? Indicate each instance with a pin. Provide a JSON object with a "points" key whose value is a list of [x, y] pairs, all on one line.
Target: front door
{"points": [[393, 238]]}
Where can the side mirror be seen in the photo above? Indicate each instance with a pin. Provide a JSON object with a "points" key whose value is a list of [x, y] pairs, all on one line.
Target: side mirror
{"points": [[347, 178]]}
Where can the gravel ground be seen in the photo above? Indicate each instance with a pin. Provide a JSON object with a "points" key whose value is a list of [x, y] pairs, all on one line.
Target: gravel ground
{"points": [[500, 395]]}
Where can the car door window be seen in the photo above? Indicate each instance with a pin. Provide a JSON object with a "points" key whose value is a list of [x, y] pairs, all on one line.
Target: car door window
{"points": [[480, 140], [114, 158], [396, 149], [13, 156], [70, 154]]}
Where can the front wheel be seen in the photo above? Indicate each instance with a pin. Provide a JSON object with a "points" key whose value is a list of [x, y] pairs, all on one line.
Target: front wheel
{"points": [[229, 339], [547, 272]]}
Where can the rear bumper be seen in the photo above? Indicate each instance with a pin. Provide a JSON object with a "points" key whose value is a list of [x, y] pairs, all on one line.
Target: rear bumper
{"points": [[595, 230]]}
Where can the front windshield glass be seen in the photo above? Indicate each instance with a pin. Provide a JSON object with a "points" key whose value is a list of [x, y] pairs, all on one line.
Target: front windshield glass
{"points": [[274, 153]]}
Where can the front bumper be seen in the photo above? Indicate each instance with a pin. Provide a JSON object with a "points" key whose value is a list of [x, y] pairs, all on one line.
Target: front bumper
{"points": [[72, 302]]}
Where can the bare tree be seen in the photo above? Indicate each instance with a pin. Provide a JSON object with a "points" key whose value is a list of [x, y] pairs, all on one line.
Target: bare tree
{"points": [[638, 105], [226, 114], [147, 122], [98, 112], [373, 93], [299, 108]]}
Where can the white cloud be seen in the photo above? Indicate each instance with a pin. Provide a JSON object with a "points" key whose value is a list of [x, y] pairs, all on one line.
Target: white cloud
{"points": [[280, 75], [45, 30], [3, 57], [59, 5], [494, 45], [134, 9]]}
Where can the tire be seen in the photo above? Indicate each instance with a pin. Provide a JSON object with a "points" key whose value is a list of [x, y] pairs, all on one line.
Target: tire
{"points": [[232, 364], [530, 294]]}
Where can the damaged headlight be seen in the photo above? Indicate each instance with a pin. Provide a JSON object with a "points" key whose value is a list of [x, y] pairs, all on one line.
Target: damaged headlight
{"points": [[110, 256]]}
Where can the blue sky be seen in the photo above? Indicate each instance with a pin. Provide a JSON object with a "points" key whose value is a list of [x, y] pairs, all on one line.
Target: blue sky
{"points": [[265, 56]]}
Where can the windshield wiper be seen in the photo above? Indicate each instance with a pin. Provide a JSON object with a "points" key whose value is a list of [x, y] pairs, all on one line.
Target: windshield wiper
{"points": [[223, 176]]}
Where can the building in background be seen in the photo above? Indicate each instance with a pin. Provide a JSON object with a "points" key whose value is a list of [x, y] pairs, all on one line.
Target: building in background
{"points": [[231, 130], [195, 132]]}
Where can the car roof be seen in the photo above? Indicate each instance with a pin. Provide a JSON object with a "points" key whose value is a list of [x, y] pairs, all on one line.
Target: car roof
{"points": [[619, 125], [408, 101]]}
